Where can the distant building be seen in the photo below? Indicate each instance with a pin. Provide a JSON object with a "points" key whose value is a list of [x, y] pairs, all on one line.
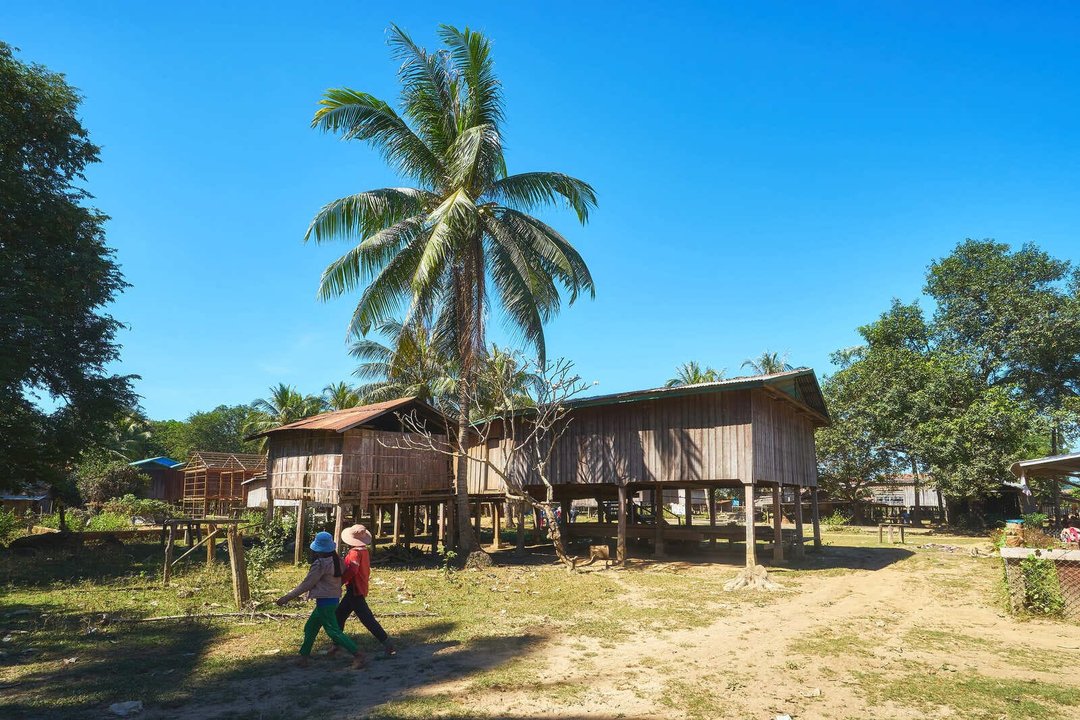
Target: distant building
{"points": [[166, 478], [899, 491], [36, 500]]}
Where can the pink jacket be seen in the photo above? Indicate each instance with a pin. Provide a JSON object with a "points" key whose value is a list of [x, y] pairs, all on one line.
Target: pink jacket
{"points": [[319, 583]]}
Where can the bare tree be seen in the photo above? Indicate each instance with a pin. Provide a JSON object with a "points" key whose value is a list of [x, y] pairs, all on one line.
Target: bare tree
{"points": [[526, 428]]}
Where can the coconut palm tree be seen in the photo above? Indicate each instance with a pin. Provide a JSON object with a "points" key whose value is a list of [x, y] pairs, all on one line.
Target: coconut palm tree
{"points": [[768, 363], [340, 396], [129, 436], [285, 405], [434, 248], [414, 362], [690, 373]]}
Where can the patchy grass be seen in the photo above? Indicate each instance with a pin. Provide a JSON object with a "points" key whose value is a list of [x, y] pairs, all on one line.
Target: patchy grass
{"points": [[968, 695]]}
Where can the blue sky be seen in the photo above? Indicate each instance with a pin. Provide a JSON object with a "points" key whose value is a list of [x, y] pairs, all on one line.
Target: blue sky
{"points": [[770, 175]]}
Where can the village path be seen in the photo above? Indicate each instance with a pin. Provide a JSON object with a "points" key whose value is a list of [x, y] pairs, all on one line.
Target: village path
{"points": [[799, 654]]}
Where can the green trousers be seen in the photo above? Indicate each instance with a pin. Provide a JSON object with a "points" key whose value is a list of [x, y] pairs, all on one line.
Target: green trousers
{"points": [[323, 617]]}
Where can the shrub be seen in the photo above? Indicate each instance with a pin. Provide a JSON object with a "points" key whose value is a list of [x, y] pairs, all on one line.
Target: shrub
{"points": [[9, 525], [267, 548], [157, 511], [98, 480], [1042, 591], [836, 522], [108, 521]]}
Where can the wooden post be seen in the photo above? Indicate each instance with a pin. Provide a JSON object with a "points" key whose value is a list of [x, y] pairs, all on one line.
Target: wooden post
{"points": [[658, 516], [339, 524], [269, 504], [495, 520], [688, 506], [170, 537], [620, 547], [710, 500], [241, 593], [410, 525], [442, 523], [564, 519], [301, 520], [778, 519], [211, 544], [378, 512], [748, 511], [799, 547], [815, 517], [521, 527], [396, 530], [476, 520]]}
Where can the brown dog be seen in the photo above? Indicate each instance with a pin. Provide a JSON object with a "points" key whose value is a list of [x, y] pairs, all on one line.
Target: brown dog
{"points": [[597, 552]]}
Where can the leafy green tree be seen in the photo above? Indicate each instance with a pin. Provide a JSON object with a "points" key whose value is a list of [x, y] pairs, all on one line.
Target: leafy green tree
{"points": [[100, 478], [768, 363], [129, 436], [219, 430], [340, 396], [691, 373], [285, 405], [414, 362], [434, 247], [58, 275]]}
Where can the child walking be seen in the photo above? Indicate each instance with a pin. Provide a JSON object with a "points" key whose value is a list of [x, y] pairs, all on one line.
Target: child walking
{"points": [[323, 585], [355, 578]]}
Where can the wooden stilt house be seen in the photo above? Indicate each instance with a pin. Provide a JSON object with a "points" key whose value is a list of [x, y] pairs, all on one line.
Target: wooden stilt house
{"points": [[749, 435], [361, 459], [213, 482]]}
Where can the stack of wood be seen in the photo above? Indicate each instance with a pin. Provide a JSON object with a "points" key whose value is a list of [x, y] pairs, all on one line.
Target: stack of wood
{"points": [[752, 578]]}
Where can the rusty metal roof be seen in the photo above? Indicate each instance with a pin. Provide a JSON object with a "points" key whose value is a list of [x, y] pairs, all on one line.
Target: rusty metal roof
{"points": [[342, 420]]}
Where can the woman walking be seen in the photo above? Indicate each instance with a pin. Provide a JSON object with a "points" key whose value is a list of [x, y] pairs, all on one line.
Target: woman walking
{"points": [[355, 578], [323, 585]]}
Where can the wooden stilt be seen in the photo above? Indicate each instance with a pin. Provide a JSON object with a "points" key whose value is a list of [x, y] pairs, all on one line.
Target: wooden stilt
{"points": [[688, 506], [476, 519], [170, 536], [800, 548], [815, 517], [442, 524], [339, 524], [410, 525], [301, 533], [397, 523], [495, 520], [378, 512], [710, 500], [521, 527], [620, 547], [778, 519], [241, 593], [748, 501], [658, 516], [211, 546], [269, 517], [565, 506]]}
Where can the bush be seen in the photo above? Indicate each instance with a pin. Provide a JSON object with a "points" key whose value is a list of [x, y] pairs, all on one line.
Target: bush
{"points": [[9, 525], [837, 522], [1042, 590], [99, 479], [105, 521], [158, 511], [268, 548]]}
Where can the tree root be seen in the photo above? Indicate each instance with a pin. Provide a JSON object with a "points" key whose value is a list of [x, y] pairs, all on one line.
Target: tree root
{"points": [[755, 578]]}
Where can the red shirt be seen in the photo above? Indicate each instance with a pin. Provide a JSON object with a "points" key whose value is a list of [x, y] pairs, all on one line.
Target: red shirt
{"points": [[357, 570]]}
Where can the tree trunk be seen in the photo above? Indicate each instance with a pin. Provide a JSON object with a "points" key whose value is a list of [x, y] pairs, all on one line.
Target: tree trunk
{"points": [[916, 510], [464, 538]]}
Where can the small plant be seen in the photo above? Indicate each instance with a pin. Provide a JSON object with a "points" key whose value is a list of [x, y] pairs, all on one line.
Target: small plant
{"points": [[1042, 591], [105, 521], [157, 511], [837, 522], [267, 549], [448, 556], [9, 525]]}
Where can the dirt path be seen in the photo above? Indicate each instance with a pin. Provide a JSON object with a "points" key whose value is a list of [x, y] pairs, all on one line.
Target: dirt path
{"points": [[805, 652]]}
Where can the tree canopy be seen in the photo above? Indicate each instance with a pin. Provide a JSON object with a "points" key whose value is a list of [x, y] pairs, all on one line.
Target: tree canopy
{"points": [[56, 396]]}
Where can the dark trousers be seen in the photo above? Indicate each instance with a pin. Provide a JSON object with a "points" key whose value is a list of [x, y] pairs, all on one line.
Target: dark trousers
{"points": [[356, 603]]}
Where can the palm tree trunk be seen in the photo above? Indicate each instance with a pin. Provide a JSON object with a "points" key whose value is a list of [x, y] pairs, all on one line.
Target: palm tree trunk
{"points": [[466, 539]]}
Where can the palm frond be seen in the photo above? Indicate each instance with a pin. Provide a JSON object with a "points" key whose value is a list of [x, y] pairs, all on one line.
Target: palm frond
{"points": [[532, 191], [471, 52], [360, 116], [364, 261], [367, 213]]}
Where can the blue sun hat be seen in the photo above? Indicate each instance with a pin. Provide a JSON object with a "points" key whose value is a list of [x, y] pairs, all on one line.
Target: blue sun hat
{"points": [[323, 543]]}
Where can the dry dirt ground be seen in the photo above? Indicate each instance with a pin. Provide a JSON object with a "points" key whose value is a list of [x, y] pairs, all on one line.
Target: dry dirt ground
{"points": [[861, 631]]}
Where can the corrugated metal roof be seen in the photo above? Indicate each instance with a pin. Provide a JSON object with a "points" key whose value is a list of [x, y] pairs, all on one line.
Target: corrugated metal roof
{"points": [[1053, 466], [342, 420], [161, 460], [800, 385]]}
